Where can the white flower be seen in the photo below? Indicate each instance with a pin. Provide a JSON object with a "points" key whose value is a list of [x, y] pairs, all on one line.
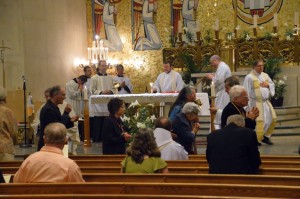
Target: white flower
{"points": [[284, 78], [248, 37], [125, 118], [152, 118], [136, 116], [134, 104], [288, 37], [281, 82], [141, 125]]}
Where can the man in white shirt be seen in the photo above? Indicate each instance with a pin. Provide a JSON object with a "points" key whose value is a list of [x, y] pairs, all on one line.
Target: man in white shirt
{"points": [[168, 81], [260, 88], [222, 72], [125, 84], [169, 149], [101, 84]]}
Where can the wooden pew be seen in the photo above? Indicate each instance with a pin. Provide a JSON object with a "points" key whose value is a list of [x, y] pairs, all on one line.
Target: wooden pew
{"points": [[191, 157], [204, 189], [172, 163], [125, 196], [194, 178], [200, 170]]}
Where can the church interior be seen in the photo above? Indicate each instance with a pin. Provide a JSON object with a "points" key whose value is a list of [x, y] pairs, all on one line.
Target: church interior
{"points": [[48, 42]]}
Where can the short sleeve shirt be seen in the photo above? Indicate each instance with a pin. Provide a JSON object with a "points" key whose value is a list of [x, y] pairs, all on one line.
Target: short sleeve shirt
{"points": [[149, 165]]}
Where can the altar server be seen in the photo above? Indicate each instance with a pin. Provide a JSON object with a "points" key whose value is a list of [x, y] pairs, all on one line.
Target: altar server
{"points": [[125, 86]]}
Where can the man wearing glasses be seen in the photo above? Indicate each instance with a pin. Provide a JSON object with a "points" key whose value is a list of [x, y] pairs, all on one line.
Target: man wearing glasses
{"points": [[238, 100], [261, 88]]}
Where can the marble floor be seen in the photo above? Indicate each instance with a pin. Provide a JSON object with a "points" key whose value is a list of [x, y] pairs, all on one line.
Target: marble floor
{"points": [[283, 145]]}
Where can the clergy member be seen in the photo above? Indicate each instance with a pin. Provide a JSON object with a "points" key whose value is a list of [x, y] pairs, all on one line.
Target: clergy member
{"points": [[101, 84], [260, 88], [124, 82], [169, 80], [74, 95], [222, 72]]}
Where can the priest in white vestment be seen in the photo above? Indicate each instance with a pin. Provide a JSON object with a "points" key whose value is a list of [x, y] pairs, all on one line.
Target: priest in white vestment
{"points": [[168, 81], [169, 149], [260, 88], [125, 86], [74, 95], [101, 84]]}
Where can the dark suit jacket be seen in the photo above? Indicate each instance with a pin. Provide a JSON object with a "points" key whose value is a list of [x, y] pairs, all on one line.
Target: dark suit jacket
{"points": [[49, 114], [113, 141], [183, 129], [232, 150], [231, 110]]}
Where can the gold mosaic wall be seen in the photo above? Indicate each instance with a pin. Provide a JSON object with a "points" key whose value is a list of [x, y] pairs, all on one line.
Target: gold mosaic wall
{"points": [[207, 12]]}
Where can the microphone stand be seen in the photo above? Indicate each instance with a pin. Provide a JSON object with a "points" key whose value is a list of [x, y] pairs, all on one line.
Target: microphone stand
{"points": [[25, 115]]}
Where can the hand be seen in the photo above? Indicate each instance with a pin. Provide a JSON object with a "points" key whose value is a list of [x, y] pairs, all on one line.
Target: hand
{"points": [[122, 84], [253, 113], [68, 108], [80, 87], [213, 110], [74, 118], [196, 127], [127, 136], [264, 84], [210, 76]]}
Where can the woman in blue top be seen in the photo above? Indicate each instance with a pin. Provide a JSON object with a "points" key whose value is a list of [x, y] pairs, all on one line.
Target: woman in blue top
{"points": [[187, 94]]}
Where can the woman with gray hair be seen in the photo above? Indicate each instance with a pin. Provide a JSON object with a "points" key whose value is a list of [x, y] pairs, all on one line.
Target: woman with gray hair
{"points": [[186, 125], [8, 129]]}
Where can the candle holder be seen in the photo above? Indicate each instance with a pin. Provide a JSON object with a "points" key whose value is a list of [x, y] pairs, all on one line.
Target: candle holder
{"points": [[179, 41], [235, 33], [255, 32], [275, 29], [212, 114], [217, 34], [87, 139]]}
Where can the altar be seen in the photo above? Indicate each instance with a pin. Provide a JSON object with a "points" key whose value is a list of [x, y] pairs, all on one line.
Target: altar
{"points": [[165, 101]]}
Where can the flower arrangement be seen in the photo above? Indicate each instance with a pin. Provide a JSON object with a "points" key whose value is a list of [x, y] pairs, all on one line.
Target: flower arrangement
{"points": [[138, 116], [280, 87]]}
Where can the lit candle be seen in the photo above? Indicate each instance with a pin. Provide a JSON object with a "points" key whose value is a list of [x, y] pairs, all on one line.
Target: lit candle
{"points": [[94, 44], [275, 20], [85, 94], [217, 26], [101, 44], [179, 26], [296, 18], [212, 89], [255, 21]]}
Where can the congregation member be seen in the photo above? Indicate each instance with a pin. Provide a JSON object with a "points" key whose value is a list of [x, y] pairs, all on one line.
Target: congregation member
{"points": [[74, 93], [143, 155], [238, 100], [101, 84], [261, 88], [187, 94], [222, 72], [186, 125], [124, 82], [169, 149], [50, 112], [114, 133], [233, 149], [169, 80], [49, 164], [229, 82], [8, 129]]}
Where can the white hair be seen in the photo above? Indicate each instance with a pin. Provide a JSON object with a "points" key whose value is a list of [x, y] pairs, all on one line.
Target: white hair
{"points": [[236, 91], [237, 120], [190, 107], [215, 57], [3, 93]]}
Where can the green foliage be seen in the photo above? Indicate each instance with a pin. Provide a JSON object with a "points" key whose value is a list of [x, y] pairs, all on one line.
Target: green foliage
{"points": [[272, 66], [280, 87], [208, 37], [190, 68], [268, 36], [138, 116], [189, 36]]}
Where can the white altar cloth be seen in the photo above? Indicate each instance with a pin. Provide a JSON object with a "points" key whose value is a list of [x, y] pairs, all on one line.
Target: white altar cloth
{"points": [[98, 100]]}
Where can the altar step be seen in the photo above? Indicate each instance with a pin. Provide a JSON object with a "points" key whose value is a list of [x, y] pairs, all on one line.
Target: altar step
{"points": [[288, 122]]}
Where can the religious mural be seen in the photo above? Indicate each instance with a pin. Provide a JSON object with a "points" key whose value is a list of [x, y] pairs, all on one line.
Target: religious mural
{"points": [[105, 14], [265, 9], [146, 36]]}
